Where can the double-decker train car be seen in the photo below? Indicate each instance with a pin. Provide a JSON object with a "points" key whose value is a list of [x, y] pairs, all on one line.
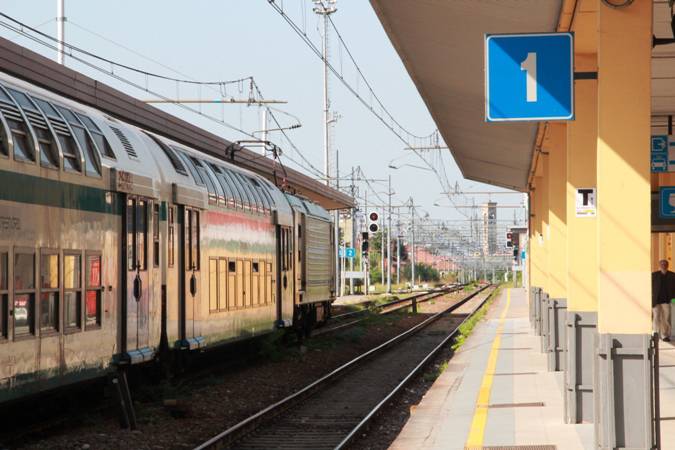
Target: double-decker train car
{"points": [[118, 246]]}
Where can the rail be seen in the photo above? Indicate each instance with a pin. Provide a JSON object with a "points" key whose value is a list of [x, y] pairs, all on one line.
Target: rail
{"points": [[242, 429]]}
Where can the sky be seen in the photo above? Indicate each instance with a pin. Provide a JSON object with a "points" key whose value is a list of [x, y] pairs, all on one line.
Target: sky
{"points": [[231, 39]]}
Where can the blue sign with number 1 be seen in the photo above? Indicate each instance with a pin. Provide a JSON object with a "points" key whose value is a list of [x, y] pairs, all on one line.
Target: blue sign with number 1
{"points": [[529, 77]]}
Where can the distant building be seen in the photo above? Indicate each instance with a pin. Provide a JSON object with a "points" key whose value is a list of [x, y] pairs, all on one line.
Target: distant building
{"points": [[489, 235]]}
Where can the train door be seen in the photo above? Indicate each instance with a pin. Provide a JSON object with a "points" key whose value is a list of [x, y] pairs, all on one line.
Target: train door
{"points": [[189, 279], [285, 286], [138, 291]]}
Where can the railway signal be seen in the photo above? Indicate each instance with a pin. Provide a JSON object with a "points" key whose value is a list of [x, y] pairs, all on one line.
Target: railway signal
{"points": [[364, 243], [373, 218]]}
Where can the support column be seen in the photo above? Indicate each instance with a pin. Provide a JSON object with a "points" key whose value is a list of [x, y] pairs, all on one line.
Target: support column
{"points": [[556, 147], [537, 252], [582, 261], [623, 379], [545, 231]]}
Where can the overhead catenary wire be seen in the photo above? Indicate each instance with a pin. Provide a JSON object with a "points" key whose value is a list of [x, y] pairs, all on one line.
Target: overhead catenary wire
{"points": [[217, 86], [442, 177]]}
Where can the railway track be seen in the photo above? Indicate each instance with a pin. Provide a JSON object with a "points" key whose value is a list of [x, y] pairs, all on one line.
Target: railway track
{"points": [[330, 412], [348, 319]]}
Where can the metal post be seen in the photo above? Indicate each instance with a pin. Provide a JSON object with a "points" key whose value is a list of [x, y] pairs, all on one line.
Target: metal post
{"points": [[339, 284], [398, 254], [365, 262], [412, 222], [60, 30], [264, 129], [389, 240], [382, 247]]}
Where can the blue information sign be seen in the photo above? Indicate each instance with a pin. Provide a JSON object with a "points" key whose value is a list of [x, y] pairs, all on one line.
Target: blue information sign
{"points": [[659, 154], [529, 77], [349, 252], [667, 202]]}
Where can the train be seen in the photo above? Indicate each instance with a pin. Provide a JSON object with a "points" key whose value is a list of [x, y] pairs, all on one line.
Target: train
{"points": [[120, 246]]}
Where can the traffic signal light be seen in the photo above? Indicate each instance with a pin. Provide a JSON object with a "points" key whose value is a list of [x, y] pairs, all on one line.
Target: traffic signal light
{"points": [[372, 222], [509, 237], [364, 242]]}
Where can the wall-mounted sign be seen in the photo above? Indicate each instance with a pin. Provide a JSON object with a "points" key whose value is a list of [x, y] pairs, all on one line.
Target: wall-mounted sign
{"points": [[529, 77], [586, 202], [667, 202], [662, 154]]}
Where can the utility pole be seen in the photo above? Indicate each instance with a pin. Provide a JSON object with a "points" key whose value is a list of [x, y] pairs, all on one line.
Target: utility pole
{"points": [[398, 253], [365, 262], [325, 10], [412, 223], [382, 248], [351, 260], [60, 31], [389, 240]]}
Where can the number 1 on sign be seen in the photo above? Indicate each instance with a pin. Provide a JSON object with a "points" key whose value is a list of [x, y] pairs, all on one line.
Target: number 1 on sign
{"points": [[530, 68]]}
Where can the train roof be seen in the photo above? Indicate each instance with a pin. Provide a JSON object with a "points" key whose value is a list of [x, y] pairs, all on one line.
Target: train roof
{"points": [[39, 70], [154, 162]]}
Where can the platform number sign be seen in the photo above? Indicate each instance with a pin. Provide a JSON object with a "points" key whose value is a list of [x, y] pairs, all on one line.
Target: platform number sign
{"points": [[529, 77]]}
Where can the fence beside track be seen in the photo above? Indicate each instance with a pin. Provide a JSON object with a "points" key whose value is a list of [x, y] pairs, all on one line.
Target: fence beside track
{"points": [[383, 308]]}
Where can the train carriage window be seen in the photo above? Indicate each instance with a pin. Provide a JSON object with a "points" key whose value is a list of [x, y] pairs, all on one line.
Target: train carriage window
{"points": [[69, 149], [4, 293], [155, 234], [49, 291], [142, 235], [238, 196], [207, 172], [268, 283], [22, 99], [85, 140], [210, 187], [222, 284], [131, 247], [247, 189], [24, 149], [218, 173], [173, 158], [72, 294], [24, 294], [256, 195], [171, 237], [192, 239], [213, 284], [261, 194], [94, 291], [4, 142], [49, 151], [193, 170], [195, 240], [231, 284], [97, 135], [247, 201]]}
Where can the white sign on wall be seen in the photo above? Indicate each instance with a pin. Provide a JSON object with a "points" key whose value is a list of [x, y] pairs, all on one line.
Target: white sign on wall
{"points": [[586, 204]]}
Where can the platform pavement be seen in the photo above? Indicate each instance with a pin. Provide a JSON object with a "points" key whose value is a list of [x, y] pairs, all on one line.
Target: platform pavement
{"points": [[448, 418]]}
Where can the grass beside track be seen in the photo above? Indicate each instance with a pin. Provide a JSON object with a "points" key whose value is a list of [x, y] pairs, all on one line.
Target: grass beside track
{"points": [[467, 327]]}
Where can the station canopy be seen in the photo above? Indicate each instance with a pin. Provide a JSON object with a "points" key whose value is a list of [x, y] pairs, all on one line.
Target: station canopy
{"points": [[441, 44]]}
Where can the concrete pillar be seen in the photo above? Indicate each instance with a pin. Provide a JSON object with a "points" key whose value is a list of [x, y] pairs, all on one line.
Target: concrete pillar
{"points": [[555, 167], [545, 230], [555, 146], [582, 261], [624, 411]]}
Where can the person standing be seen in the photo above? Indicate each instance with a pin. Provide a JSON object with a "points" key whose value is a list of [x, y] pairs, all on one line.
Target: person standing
{"points": [[663, 291]]}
